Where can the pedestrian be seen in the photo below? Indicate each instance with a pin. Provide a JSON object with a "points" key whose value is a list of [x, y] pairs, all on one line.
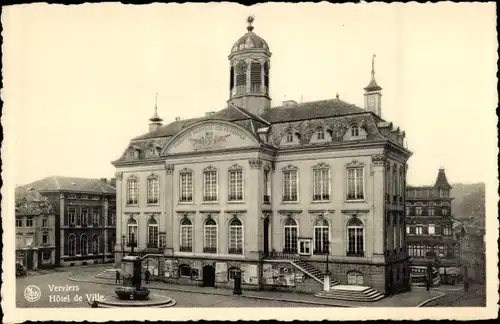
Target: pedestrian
{"points": [[117, 280], [146, 274]]}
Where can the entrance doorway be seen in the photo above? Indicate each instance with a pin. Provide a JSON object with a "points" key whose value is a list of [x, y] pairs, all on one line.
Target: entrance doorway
{"points": [[29, 260], [266, 236], [208, 276]]}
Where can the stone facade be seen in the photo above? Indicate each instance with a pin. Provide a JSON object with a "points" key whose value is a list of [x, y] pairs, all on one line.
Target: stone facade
{"points": [[254, 188], [85, 215], [35, 230]]}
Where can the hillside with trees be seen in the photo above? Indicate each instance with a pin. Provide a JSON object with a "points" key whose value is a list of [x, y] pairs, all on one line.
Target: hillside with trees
{"points": [[469, 201]]}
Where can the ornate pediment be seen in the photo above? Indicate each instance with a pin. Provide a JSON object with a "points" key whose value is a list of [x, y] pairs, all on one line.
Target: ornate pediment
{"points": [[210, 169], [208, 136], [321, 165], [289, 167], [379, 159], [355, 164], [186, 170], [235, 167]]}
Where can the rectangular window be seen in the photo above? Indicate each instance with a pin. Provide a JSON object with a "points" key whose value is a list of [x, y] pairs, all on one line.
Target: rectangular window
{"points": [[153, 190], [321, 184], [186, 180], [45, 238], [71, 216], [29, 222], [305, 247], [45, 222], [19, 222], [19, 241], [432, 229], [447, 230], [83, 217], [355, 183], [132, 191], [418, 230], [444, 212], [407, 210], [210, 186], [111, 219], [267, 187], [407, 229], [430, 211], [95, 218], [418, 211], [290, 185], [355, 242], [235, 185]]}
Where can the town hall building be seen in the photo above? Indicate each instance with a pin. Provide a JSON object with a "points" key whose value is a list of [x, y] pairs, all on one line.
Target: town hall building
{"points": [[279, 195]]}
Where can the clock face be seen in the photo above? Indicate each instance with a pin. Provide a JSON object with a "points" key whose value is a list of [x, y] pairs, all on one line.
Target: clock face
{"points": [[241, 67]]}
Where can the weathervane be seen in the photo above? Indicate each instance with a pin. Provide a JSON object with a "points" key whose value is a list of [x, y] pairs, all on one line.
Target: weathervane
{"points": [[250, 20], [156, 103]]}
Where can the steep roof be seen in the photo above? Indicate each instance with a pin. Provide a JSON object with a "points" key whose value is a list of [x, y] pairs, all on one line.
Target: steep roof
{"points": [[31, 203], [74, 184], [230, 114], [441, 180], [311, 110]]}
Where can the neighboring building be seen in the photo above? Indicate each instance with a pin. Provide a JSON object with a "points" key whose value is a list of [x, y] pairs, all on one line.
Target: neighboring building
{"points": [[472, 251], [35, 230], [429, 223], [268, 192], [85, 211]]}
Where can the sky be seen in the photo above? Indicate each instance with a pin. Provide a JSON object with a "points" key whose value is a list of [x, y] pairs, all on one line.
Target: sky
{"points": [[80, 81]]}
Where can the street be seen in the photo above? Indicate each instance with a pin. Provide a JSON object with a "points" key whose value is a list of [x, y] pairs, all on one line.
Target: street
{"points": [[58, 291]]}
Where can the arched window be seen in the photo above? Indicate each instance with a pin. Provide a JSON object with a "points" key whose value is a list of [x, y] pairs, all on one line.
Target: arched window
{"points": [[84, 215], [241, 77], [233, 273], [255, 76], [210, 235], [355, 131], [83, 244], [186, 235], [289, 137], [231, 78], [235, 236], [132, 191], [266, 77], [153, 189], [184, 271], [72, 245], [132, 231], [355, 278], [355, 238], [320, 134], [291, 234], [152, 233], [321, 236], [95, 244]]}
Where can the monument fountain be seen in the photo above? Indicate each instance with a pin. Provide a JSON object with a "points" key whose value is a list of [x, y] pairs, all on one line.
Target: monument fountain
{"points": [[132, 293]]}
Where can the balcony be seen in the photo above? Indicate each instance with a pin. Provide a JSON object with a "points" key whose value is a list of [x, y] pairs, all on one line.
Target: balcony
{"points": [[355, 253], [267, 198], [209, 250], [186, 248], [235, 251]]}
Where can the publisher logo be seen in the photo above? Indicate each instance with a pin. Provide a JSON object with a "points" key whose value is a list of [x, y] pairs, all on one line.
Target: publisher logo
{"points": [[32, 293]]}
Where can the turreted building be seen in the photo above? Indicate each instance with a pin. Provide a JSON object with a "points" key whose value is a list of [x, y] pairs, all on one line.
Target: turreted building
{"points": [[277, 194]]}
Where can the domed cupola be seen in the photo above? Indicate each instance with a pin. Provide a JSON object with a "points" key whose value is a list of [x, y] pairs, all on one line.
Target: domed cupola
{"points": [[249, 72]]}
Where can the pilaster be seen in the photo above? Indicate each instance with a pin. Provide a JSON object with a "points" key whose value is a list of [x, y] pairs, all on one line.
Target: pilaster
{"points": [[378, 178], [62, 230], [254, 225], [169, 205], [105, 231]]}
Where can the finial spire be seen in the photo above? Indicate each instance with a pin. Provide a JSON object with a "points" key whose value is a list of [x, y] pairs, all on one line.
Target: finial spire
{"points": [[373, 66], [250, 20], [337, 95], [156, 104]]}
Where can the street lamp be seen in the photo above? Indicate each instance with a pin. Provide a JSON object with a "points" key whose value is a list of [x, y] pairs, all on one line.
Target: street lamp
{"points": [[123, 245], [326, 277]]}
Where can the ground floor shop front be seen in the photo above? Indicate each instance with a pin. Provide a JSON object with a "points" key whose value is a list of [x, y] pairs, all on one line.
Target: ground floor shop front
{"points": [[35, 258]]}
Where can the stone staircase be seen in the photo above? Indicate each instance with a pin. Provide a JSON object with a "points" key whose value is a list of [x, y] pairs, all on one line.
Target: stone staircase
{"points": [[351, 293], [313, 271]]}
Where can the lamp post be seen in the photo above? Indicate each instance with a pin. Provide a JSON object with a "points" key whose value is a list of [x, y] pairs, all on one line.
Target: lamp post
{"points": [[123, 245], [326, 277]]}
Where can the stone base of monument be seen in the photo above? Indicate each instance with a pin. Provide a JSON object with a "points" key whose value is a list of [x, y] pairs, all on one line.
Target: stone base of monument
{"points": [[153, 301]]}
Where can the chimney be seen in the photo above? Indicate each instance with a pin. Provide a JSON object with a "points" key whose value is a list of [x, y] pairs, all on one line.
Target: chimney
{"points": [[104, 180], [210, 113], [112, 182], [289, 103], [177, 118]]}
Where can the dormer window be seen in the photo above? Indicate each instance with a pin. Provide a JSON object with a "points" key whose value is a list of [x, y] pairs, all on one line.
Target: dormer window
{"points": [[152, 151], [289, 137], [320, 134], [354, 131]]}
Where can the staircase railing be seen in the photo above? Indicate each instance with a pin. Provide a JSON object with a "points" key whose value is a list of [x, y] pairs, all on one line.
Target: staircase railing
{"points": [[274, 255]]}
